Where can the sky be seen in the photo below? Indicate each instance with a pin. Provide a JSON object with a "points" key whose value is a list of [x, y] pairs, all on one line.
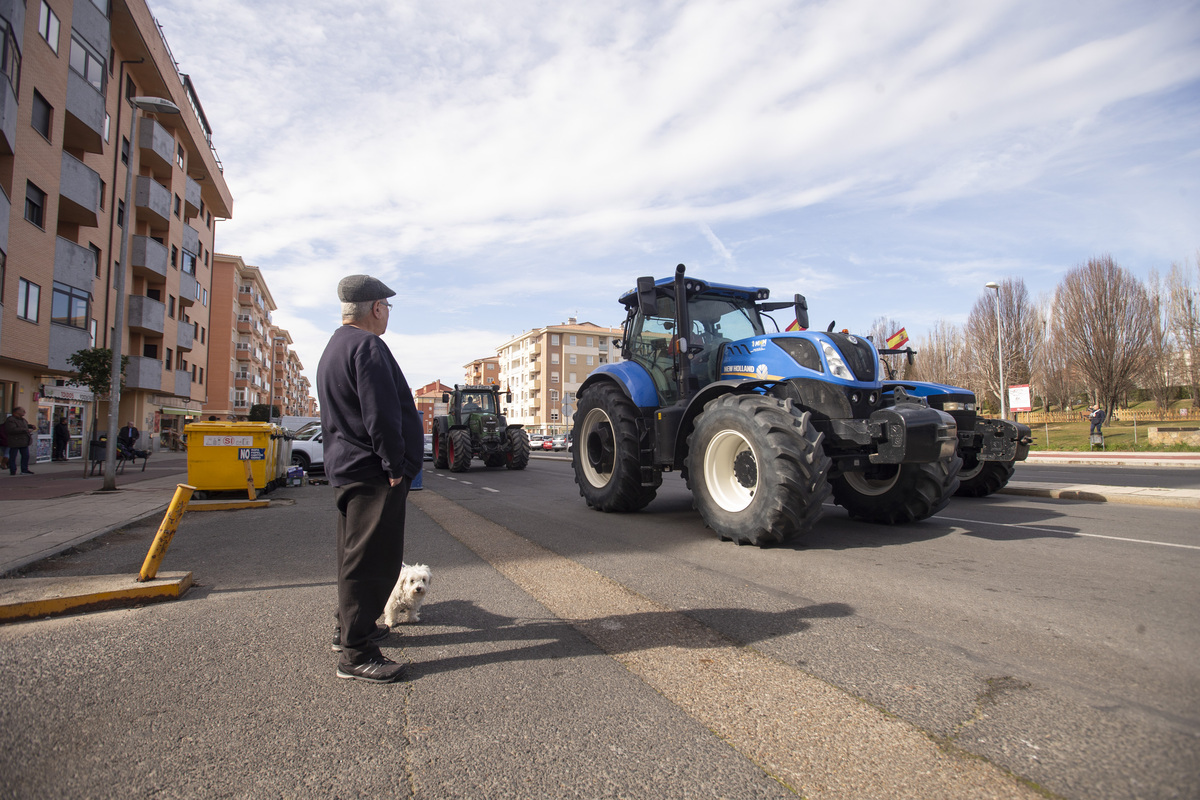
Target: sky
{"points": [[505, 165]]}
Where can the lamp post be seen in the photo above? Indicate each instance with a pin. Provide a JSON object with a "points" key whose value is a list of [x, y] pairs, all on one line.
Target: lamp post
{"points": [[153, 105], [999, 346]]}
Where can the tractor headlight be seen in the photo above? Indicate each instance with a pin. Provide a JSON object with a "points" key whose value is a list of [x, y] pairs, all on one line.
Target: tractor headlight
{"points": [[834, 360], [955, 406]]}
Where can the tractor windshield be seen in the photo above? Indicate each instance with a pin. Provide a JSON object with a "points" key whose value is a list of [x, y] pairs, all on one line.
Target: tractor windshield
{"points": [[719, 318], [478, 402]]}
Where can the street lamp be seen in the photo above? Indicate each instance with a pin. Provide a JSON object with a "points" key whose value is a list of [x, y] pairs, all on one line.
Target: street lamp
{"points": [[152, 105], [999, 345]]}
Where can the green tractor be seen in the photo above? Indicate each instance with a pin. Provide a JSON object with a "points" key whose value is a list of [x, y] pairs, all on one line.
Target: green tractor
{"points": [[475, 428]]}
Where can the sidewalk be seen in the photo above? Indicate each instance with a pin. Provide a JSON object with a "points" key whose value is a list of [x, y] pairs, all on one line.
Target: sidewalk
{"points": [[57, 508]]}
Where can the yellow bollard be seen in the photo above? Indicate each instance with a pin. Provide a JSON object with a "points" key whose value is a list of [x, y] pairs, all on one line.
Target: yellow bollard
{"points": [[249, 480], [166, 531]]}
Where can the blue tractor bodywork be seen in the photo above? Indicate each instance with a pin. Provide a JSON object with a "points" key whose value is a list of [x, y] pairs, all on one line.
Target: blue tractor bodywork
{"points": [[689, 347]]}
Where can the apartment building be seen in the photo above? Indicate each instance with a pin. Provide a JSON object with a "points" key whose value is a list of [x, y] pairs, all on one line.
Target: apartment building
{"points": [[67, 151], [544, 367], [290, 389], [482, 371], [429, 402], [240, 355]]}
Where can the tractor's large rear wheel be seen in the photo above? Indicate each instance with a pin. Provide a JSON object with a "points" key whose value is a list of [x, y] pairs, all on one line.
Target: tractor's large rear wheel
{"points": [[757, 469], [460, 450], [517, 456], [981, 478], [441, 458], [896, 493], [607, 452]]}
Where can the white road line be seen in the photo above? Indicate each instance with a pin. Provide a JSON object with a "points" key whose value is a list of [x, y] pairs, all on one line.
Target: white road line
{"points": [[1061, 532], [490, 489]]}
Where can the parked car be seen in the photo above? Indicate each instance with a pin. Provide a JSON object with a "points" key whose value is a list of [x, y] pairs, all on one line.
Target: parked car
{"points": [[307, 449], [429, 447], [548, 443], [560, 442]]}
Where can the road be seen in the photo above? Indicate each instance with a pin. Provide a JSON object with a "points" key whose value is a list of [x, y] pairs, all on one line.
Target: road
{"points": [[1054, 639], [1161, 477]]}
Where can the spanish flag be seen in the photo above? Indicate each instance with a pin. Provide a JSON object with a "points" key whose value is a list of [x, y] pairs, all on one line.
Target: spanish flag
{"points": [[897, 339], [795, 326]]}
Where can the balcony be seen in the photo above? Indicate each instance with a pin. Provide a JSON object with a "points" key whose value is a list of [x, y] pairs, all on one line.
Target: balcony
{"points": [[78, 193], [153, 202], [242, 352], [149, 259], [189, 289], [191, 239], [191, 199], [245, 296], [157, 148], [83, 124], [8, 118], [146, 315], [143, 372], [186, 337], [65, 340], [183, 383], [73, 265], [244, 326], [241, 381]]}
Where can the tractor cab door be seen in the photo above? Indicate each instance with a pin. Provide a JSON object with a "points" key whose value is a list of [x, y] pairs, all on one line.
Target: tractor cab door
{"points": [[717, 320], [649, 341], [477, 403]]}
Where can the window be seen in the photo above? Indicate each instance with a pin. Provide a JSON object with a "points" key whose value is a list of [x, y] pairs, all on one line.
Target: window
{"points": [[10, 57], [205, 301], [88, 63], [107, 125], [48, 26], [179, 156], [591, 361], [171, 306], [96, 257], [120, 213], [35, 204], [167, 361], [102, 5], [41, 114], [554, 358], [201, 335], [589, 341], [554, 377], [28, 296], [571, 359], [92, 332], [571, 341], [124, 151], [571, 377], [174, 256], [150, 351], [178, 205], [554, 340], [202, 376], [69, 305]]}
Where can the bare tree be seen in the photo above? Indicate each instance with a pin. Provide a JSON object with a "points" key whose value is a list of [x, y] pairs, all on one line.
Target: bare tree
{"points": [[1183, 287], [1021, 325], [1060, 382], [1103, 316], [940, 356], [1159, 372]]}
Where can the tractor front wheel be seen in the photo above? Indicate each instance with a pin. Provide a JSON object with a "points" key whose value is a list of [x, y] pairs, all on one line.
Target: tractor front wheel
{"points": [[897, 493], [607, 453], [459, 453], [757, 469], [517, 455], [981, 478]]}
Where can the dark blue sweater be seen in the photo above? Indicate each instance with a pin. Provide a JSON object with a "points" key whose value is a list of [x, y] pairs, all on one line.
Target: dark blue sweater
{"points": [[370, 427]]}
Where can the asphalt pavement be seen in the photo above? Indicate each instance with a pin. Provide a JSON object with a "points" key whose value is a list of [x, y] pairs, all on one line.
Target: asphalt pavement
{"points": [[61, 506]]}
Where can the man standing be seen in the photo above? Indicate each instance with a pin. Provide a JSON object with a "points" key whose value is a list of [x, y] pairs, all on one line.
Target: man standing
{"points": [[1096, 416], [18, 433], [374, 443]]}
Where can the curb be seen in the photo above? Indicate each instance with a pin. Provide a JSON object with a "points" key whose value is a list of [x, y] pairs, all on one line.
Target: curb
{"points": [[1165, 498], [33, 598]]}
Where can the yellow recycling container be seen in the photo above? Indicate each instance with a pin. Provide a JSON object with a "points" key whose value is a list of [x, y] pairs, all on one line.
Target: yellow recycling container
{"points": [[216, 451]]}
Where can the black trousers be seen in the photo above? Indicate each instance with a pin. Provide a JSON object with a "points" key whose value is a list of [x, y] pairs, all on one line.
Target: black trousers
{"points": [[370, 553]]}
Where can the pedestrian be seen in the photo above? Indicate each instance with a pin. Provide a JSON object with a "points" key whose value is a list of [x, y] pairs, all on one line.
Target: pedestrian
{"points": [[62, 435], [373, 442], [127, 437], [18, 433], [1096, 417]]}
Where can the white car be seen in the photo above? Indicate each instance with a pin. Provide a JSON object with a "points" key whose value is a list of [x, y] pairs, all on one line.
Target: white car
{"points": [[307, 450]]}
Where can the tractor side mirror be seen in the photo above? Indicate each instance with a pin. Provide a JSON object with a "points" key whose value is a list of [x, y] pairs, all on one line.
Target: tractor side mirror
{"points": [[508, 397], [445, 397], [912, 356], [645, 292], [801, 311]]}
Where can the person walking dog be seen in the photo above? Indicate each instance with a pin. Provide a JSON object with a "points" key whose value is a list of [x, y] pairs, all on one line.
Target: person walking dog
{"points": [[374, 445]]}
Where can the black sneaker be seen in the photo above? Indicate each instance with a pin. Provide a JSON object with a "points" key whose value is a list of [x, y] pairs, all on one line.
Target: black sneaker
{"points": [[378, 670], [379, 634]]}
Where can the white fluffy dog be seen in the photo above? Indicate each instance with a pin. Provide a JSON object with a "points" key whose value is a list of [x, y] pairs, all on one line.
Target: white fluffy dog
{"points": [[411, 588]]}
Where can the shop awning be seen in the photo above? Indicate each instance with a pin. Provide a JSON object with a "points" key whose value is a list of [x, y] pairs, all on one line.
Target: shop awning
{"points": [[187, 412]]}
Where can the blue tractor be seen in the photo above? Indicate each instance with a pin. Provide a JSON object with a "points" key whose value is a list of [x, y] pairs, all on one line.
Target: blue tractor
{"points": [[989, 448], [762, 426]]}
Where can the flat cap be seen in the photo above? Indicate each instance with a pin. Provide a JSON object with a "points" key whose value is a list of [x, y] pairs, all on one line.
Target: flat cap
{"points": [[361, 289]]}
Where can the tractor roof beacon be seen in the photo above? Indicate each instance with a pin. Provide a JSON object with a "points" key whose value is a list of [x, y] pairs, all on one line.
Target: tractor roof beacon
{"points": [[762, 426], [476, 428]]}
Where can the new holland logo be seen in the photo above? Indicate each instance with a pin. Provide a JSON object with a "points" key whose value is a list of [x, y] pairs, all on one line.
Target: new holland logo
{"points": [[761, 371]]}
